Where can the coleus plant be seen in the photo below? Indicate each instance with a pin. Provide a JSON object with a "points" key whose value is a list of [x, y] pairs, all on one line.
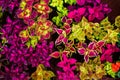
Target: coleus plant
{"points": [[37, 28], [87, 51], [58, 54], [68, 66], [85, 29], [76, 33], [106, 24], [117, 21], [92, 13], [68, 50], [111, 36], [94, 69], [13, 72], [17, 52], [26, 8], [42, 73], [92, 50], [108, 51], [9, 5], [83, 2], [77, 14], [63, 32], [41, 29], [61, 11]]}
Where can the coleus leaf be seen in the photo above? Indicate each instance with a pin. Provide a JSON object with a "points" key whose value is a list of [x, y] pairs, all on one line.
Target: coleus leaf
{"points": [[82, 10], [81, 51], [41, 73], [58, 54], [55, 54], [86, 58], [98, 1], [117, 21], [91, 45], [81, 2], [59, 40], [59, 31], [92, 53]]}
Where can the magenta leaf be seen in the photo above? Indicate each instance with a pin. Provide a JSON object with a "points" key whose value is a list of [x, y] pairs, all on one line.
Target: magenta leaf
{"points": [[81, 51], [47, 36], [109, 46], [100, 43], [91, 17], [81, 2], [69, 21], [64, 40], [55, 54], [92, 53], [66, 26], [72, 49], [9, 20], [71, 14], [72, 61], [68, 31], [61, 64], [91, 45], [65, 53], [82, 10], [91, 10], [73, 67], [59, 31], [59, 40], [86, 58], [64, 19], [99, 15], [98, 1]]}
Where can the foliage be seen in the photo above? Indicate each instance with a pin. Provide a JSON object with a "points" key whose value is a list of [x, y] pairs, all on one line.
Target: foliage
{"points": [[41, 73], [94, 69]]}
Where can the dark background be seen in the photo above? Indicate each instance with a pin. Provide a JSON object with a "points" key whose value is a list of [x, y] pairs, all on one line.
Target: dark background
{"points": [[115, 6]]}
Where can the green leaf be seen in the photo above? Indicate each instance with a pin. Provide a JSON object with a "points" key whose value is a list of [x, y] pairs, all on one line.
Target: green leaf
{"points": [[70, 2]]}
